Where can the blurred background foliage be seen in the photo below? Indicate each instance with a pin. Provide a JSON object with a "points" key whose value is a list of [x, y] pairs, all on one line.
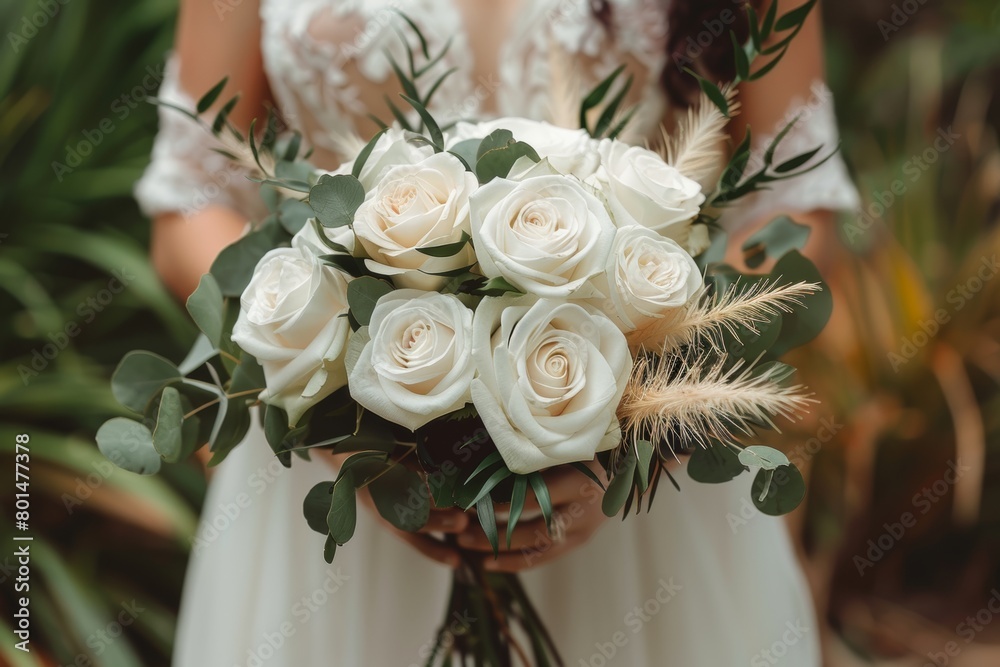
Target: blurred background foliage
{"points": [[106, 538]]}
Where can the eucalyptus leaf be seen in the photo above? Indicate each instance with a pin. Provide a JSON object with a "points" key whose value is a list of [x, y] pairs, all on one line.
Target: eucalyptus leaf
{"points": [[446, 250], [714, 464], [352, 266], [294, 214], [139, 377], [497, 287], [362, 296], [229, 430], [401, 497], [335, 199], [767, 458], [621, 486], [248, 375], [275, 429], [329, 549], [206, 308], [168, 437], [805, 322], [496, 161], [343, 515], [773, 240], [779, 491], [316, 506], [234, 266], [644, 449], [467, 150], [200, 352], [129, 445]]}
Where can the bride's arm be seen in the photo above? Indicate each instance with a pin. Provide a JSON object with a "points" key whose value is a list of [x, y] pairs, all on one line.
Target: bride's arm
{"points": [[209, 46], [795, 87]]}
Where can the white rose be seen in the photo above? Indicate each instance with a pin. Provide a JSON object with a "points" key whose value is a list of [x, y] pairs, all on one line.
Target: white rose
{"points": [[392, 149], [417, 206], [309, 239], [551, 375], [413, 362], [641, 186], [570, 151], [293, 321], [647, 276], [546, 235]]}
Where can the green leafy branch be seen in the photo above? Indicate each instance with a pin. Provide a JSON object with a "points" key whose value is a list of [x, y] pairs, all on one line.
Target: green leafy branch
{"points": [[410, 80], [761, 32], [614, 118]]}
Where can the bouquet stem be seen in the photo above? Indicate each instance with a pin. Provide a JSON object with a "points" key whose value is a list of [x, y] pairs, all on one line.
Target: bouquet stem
{"points": [[490, 622]]}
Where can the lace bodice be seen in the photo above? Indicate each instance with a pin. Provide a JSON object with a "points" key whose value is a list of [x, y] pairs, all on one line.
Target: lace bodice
{"points": [[327, 67]]}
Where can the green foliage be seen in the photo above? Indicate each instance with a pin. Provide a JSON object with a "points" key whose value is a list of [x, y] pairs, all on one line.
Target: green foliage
{"points": [[363, 295], [498, 152], [70, 227], [612, 111], [715, 464], [335, 199]]}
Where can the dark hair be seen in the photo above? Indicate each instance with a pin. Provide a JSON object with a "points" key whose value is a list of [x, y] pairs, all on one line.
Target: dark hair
{"points": [[698, 38]]}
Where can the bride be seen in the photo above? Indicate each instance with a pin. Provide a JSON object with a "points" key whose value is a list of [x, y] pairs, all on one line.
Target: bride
{"points": [[682, 585]]}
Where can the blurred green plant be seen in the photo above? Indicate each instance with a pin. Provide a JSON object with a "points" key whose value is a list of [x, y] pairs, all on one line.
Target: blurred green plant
{"points": [[76, 288], [917, 381]]}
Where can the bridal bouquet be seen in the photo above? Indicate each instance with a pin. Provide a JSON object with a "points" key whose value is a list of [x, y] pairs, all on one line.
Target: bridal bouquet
{"points": [[462, 308]]}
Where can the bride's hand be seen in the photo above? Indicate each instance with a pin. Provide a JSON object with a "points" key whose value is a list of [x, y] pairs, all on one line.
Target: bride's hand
{"points": [[577, 514], [447, 521]]}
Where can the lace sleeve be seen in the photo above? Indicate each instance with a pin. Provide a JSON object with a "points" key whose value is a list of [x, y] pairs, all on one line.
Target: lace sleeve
{"points": [[185, 174], [828, 187]]}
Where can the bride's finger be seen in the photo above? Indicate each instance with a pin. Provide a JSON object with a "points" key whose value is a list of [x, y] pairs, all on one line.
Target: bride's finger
{"points": [[434, 549], [526, 559], [527, 535], [446, 521], [568, 485]]}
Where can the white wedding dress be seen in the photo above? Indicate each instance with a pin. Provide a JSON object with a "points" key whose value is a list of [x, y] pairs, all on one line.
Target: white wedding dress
{"points": [[701, 581]]}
